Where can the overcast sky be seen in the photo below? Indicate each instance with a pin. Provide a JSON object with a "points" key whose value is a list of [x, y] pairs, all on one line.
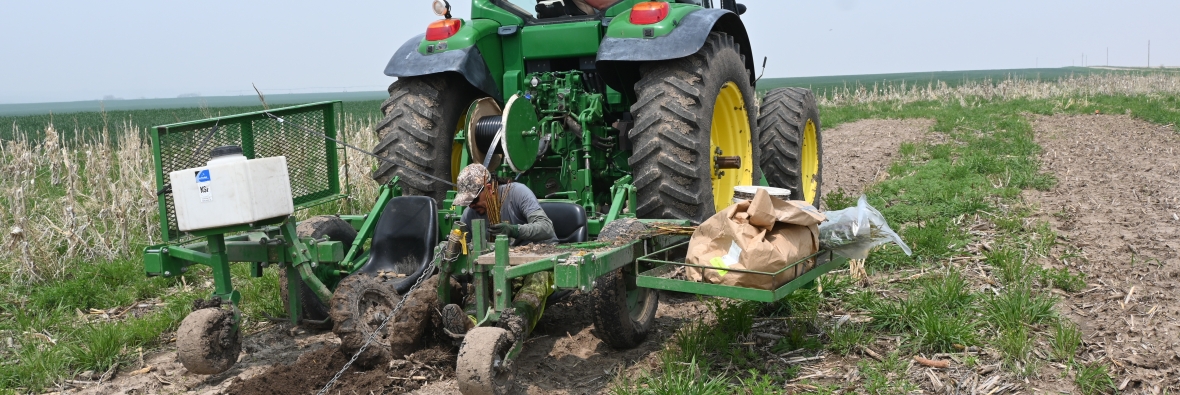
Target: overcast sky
{"points": [[52, 50]]}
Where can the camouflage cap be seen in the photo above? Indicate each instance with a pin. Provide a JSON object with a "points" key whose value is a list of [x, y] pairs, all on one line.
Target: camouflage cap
{"points": [[470, 183]]}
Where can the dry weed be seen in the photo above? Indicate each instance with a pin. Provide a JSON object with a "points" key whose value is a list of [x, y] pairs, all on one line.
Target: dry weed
{"points": [[1114, 83], [67, 202]]}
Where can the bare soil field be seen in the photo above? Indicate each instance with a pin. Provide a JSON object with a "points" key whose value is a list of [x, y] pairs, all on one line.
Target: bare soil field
{"points": [[561, 357], [1116, 210]]}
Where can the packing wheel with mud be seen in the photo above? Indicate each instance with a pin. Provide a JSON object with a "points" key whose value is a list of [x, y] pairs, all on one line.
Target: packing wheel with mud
{"points": [[422, 116], [623, 312], [789, 134], [693, 134], [208, 341], [315, 313], [482, 367], [360, 304]]}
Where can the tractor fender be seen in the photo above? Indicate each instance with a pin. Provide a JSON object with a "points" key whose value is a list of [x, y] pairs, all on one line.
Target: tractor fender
{"points": [[686, 39], [408, 62]]}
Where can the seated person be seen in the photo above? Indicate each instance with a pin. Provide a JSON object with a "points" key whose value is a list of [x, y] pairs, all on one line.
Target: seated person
{"points": [[521, 217], [524, 222]]}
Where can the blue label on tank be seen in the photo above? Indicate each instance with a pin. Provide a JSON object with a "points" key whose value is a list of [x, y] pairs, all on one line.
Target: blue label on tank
{"points": [[203, 176]]}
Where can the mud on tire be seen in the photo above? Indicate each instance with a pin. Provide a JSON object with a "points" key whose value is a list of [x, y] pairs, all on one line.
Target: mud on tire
{"points": [[317, 227], [207, 342], [359, 305], [480, 369], [782, 120], [623, 312], [421, 116], [671, 155]]}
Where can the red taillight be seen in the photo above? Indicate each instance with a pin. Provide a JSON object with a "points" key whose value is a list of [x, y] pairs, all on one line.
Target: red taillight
{"points": [[649, 12], [443, 29]]}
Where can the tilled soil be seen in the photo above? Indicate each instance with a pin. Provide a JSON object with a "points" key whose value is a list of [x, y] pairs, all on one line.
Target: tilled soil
{"points": [[1116, 210], [563, 356], [858, 154]]}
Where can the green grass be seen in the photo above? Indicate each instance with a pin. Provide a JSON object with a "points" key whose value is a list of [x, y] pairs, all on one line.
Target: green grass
{"points": [[934, 191], [1094, 378], [78, 344]]}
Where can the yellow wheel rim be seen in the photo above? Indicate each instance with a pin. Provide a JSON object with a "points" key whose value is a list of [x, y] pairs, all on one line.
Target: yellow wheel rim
{"points": [[809, 163], [457, 148], [730, 136]]}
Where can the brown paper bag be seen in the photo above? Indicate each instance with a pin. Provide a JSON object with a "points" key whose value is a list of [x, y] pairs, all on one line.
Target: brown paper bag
{"points": [[765, 234]]}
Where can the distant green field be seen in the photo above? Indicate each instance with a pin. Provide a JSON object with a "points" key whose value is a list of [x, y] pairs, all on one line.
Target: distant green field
{"points": [[74, 119], [87, 124]]}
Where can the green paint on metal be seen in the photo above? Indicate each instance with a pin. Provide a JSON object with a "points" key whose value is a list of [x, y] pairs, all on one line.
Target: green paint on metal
{"points": [[520, 133], [502, 289], [657, 278], [561, 40], [294, 302], [534, 267], [302, 260], [367, 228]]}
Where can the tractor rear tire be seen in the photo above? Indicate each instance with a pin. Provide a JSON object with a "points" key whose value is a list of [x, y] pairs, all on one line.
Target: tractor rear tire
{"points": [[359, 305], [422, 116], [789, 134], [316, 227], [673, 140]]}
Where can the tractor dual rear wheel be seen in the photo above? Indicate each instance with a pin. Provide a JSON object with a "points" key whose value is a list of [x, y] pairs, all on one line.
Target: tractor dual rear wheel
{"points": [[422, 116], [789, 134], [691, 113]]}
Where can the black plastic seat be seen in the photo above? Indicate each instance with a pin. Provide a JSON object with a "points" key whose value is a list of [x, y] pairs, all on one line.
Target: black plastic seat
{"points": [[569, 221], [404, 239]]}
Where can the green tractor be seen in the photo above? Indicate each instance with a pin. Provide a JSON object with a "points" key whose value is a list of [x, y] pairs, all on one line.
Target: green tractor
{"points": [[606, 110], [659, 94]]}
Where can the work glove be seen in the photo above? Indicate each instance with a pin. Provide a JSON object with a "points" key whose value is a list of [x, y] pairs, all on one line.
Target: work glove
{"points": [[505, 228]]}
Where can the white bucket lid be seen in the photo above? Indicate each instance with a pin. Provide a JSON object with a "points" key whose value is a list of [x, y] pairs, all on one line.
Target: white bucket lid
{"points": [[746, 192]]}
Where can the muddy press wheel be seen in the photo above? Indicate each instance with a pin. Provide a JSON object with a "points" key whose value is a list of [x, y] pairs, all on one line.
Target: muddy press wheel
{"points": [[482, 367], [359, 306], [622, 311], [208, 342]]}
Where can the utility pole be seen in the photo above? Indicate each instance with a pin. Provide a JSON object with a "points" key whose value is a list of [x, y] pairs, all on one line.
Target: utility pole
{"points": [[1149, 54]]}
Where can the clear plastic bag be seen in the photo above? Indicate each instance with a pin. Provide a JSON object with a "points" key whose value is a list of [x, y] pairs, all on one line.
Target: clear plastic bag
{"points": [[853, 231]]}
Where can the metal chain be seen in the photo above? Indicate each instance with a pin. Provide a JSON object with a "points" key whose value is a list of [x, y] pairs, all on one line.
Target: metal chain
{"points": [[373, 336], [379, 157]]}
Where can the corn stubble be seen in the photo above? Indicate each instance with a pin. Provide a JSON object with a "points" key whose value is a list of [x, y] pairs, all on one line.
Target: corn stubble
{"points": [[93, 200]]}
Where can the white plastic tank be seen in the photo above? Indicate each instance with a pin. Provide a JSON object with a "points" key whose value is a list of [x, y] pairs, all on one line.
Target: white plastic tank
{"points": [[231, 190]]}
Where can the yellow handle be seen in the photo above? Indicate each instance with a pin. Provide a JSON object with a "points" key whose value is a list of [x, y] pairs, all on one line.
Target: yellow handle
{"points": [[462, 239]]}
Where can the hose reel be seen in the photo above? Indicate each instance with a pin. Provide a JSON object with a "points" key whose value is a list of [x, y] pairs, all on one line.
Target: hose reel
{"points": [[511, 135]]}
